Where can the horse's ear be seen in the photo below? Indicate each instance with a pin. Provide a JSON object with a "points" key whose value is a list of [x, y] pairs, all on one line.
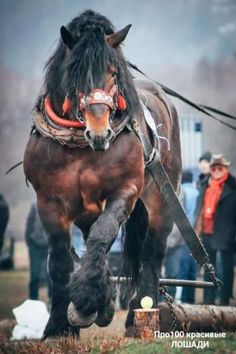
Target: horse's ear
{"points": [[68, 38], [117, 38]]}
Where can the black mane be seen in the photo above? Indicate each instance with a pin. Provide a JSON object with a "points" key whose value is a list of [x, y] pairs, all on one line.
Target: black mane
{"points": [[82, 68]]}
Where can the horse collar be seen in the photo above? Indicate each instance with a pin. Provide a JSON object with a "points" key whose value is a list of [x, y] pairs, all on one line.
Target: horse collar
{"points": [[48, 124]]}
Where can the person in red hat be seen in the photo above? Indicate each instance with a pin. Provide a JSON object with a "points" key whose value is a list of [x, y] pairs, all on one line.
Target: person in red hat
{"points": [[216, 224]]}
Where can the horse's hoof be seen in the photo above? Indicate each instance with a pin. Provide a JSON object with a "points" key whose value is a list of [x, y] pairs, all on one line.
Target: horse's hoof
{"points": [[76, 318], [105, 317]]}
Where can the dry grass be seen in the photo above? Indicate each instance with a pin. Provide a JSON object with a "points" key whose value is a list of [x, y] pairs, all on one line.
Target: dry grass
{"points": [[115, 344]]}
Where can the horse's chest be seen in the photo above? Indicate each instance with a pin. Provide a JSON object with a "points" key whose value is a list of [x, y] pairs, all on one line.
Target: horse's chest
{"points": [[95, 186]]}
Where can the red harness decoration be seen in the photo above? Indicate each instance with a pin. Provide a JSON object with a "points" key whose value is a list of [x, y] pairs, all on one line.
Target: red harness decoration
{"points": [[67, 106], [121, 103]]}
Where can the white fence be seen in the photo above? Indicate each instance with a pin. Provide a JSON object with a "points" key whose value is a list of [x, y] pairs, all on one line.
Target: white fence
{"points": [[191, 140]]}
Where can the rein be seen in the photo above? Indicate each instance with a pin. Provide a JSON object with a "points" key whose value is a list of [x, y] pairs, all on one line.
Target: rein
{"points": [[202, 108]]}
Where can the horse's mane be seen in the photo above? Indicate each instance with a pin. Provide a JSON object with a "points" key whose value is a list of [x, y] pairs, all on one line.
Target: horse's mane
{"points": [[83, 67]]}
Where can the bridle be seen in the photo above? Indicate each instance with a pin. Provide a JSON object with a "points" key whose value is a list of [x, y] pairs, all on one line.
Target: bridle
{"points": [[113, 99]]}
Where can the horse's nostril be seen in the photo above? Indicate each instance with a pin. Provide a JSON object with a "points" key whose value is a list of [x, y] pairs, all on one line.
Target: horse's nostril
{"points": [[88, 135]]}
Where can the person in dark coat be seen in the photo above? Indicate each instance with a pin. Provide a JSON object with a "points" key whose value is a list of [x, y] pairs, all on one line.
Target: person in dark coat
{"points": [[37, 243], [216, 223], [204, 167], [4, 218]]}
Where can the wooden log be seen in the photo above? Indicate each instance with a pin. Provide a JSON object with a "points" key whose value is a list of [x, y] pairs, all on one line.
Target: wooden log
{"points": [[198, 318], [146, 322]]}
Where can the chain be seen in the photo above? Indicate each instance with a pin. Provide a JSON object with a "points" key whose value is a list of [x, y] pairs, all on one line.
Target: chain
{"points": [[170, 302], [208, 267]]}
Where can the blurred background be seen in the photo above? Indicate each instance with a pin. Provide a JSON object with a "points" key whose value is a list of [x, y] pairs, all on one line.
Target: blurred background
{"points": [[187, 45]]}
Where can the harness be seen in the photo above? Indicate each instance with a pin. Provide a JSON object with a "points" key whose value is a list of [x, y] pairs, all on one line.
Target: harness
{"points": [[65, 131]]}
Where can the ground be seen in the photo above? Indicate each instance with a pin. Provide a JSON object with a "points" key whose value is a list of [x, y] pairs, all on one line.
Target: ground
{"points": [[13, 291]]}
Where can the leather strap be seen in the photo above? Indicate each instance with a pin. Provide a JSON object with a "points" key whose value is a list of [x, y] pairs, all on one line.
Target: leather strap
{"points": [[161, 179]]}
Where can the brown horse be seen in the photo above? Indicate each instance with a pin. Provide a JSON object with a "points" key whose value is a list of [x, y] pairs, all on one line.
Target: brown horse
{"points": [[102, 183]]}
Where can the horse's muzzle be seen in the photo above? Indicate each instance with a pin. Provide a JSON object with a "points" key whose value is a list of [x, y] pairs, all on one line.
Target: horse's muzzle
{"points": [[99, 142]]}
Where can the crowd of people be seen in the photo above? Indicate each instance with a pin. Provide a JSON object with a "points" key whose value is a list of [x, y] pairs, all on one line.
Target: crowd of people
{"points": [[210, 205]]}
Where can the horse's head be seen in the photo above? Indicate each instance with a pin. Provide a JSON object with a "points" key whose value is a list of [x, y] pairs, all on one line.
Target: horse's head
{"points": [[93, 76], [98, 108]]}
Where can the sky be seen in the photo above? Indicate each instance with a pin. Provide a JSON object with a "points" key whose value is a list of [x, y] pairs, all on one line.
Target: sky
{"points": [[173, 32]]}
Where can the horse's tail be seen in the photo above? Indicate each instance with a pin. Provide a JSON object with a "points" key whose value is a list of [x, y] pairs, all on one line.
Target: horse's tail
{"points": [[136, 229]]}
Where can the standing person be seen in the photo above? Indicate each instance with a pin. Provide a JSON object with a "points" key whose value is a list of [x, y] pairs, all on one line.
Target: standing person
{"points": [[216, 224], [204, 167], [4, 218], [188, 265], [7, 253], [37, 243]]}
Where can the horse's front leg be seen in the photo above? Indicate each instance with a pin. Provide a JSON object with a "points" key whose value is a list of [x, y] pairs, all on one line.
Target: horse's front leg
{"points": [[91, 288], [60, 265]]}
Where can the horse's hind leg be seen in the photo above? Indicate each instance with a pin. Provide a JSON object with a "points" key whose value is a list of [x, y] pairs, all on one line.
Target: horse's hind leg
{"points": [[60, 265], [153, 253]]}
